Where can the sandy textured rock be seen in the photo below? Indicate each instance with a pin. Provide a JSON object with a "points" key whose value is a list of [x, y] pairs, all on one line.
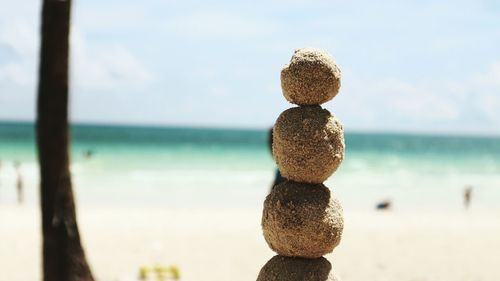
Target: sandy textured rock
{"points": [[311, 78], [308, 144], [281, 268], [302, 220]]}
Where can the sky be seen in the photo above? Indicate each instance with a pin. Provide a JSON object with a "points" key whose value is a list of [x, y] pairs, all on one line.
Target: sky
{"points": [[407, 66]]}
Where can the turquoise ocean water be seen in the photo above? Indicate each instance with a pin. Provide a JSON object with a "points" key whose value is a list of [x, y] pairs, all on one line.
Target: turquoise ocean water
{"points": [[189, 167]]}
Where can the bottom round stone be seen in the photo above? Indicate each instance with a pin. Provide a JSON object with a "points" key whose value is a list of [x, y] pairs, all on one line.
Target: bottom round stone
{"points": [[281, 268]]}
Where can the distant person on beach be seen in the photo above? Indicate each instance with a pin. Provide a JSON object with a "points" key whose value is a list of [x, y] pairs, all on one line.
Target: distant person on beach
{"points": [[19, 183], [384, 205], [278, 178], [467, 196], [88, 154]]}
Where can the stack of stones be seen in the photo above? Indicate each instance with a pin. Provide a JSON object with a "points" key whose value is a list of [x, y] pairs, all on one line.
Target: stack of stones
{"points": [[302, 219]]}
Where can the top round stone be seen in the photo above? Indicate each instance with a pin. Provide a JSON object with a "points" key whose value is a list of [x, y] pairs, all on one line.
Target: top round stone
{"points": [[311, 78]]}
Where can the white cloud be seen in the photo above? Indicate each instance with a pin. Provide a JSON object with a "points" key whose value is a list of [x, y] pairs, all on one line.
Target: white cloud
{"points": [[471, 105], [489, 80], [111, 68], [409, 101], [484, 89], [18, 73], [21, 37], [108, 68], [20, 41]]}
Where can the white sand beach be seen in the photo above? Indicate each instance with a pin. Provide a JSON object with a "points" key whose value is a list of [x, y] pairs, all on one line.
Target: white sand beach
{"points": [[227, 244]]}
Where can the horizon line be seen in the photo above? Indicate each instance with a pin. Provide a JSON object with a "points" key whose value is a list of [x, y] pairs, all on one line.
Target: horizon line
{"points": [[261, 128]]}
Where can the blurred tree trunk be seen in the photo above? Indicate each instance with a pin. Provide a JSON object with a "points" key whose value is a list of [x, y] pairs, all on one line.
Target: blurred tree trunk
{"points": [[63, 255]]}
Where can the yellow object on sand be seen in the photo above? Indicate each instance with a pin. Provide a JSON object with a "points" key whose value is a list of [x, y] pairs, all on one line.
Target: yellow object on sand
{"points": [[162, 272]]}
